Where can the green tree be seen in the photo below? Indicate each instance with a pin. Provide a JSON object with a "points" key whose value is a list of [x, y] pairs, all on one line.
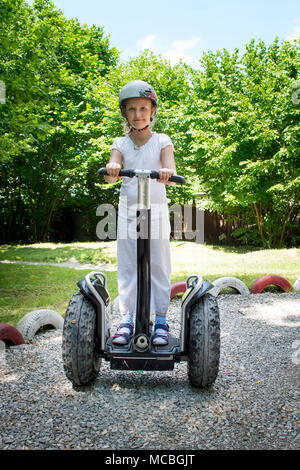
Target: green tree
{"points": [[47, 119], [246, 140]]}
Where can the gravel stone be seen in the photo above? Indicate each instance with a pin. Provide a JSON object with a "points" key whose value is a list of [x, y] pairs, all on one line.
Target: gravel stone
{"points": [[253, 404]]}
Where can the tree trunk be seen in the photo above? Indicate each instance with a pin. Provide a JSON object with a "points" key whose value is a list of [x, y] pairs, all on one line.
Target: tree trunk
{"points": [[258, 217]]}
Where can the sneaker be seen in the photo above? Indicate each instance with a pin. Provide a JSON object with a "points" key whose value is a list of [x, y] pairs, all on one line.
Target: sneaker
{"points": [[161, 335], [123, 334]]}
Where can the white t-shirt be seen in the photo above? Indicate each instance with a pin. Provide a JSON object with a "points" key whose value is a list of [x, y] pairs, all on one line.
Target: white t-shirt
{"points": [[146, 157]]}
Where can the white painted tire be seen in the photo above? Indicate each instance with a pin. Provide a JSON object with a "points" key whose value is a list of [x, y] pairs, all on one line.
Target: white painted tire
{"points": [[33, 321], [296, 285], [223, 282]]}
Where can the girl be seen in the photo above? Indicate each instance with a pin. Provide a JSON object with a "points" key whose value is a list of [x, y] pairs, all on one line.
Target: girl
{"points": [[143, 149]]}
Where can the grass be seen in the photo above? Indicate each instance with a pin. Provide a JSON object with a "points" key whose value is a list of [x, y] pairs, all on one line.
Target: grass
{"points": [[248, 265], [26, 287], [98, 252]]}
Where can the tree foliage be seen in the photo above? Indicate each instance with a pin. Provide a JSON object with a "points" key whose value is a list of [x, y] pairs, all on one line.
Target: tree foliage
{"points": [[234, 124], [246, 136], [48, 64]]}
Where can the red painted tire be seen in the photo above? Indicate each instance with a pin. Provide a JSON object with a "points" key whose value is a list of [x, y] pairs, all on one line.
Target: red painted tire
{"points": [[10, 335], [271, 280], [177, 288]]}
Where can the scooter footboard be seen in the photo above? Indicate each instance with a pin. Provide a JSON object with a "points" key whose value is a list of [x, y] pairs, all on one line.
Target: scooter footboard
{"points": [[141, 363], [155, 358]]}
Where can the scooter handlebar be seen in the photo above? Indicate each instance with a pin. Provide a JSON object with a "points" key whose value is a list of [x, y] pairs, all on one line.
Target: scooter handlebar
{"points": [[153, 175], [175, 178]]}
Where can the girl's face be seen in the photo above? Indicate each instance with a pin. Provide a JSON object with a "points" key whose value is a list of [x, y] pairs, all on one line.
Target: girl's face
{"points": [[139, 112]]}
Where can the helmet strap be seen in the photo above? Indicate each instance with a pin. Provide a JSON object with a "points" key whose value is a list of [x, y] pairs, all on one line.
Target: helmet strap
{"points": [[140, 130], [144, 128]]}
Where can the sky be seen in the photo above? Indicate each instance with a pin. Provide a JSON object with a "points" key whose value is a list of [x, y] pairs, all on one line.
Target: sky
{"points": [[184, 29]]}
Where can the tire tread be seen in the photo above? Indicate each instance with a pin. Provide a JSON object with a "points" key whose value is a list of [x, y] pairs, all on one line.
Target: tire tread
{"points": [[204, 344], [80, 358]]}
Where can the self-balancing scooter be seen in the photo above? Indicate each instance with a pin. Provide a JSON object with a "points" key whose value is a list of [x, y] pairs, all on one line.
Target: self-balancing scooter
{"points": [[86, 332]]}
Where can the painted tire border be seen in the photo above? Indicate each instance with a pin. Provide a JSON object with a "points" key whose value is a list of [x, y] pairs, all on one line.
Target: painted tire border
{"points": [[30, 324], [296, 285], [11, 334], [177, 288], [270, 280], [229, 281]]}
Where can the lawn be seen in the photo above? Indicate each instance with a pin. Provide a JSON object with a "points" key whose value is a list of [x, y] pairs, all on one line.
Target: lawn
{"points": [[24, 288], [27, 287], [98, 252]]}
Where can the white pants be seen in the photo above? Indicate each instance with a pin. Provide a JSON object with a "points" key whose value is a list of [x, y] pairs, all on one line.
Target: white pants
{"points": [[160, 263]]}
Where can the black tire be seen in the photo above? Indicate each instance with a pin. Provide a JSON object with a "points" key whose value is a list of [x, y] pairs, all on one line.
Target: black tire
{"points": [[204, 342], [81, 360]]}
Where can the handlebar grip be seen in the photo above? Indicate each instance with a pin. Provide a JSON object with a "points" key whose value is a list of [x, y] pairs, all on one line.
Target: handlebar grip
{"points": [[174, 178], [177, 179], [153, 175], [102, 171], [129, 173]]}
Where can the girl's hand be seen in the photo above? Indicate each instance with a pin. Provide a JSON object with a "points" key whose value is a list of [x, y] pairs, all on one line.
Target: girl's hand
{"points": [[165, 174], [113, 169]]}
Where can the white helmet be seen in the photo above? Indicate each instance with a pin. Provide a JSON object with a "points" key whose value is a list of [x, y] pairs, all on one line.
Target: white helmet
{"points": [[137, 89]]}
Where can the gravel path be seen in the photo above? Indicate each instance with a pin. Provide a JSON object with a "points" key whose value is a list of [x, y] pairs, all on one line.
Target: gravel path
{"points": [[254, 403]]}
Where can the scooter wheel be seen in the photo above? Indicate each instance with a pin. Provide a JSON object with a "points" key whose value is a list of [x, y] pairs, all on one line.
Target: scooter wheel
{"points": [[204, 342], [81, 360]]}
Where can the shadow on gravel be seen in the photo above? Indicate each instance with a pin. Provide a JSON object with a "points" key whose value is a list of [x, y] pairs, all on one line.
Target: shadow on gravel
{"points": [[171, 385]]}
